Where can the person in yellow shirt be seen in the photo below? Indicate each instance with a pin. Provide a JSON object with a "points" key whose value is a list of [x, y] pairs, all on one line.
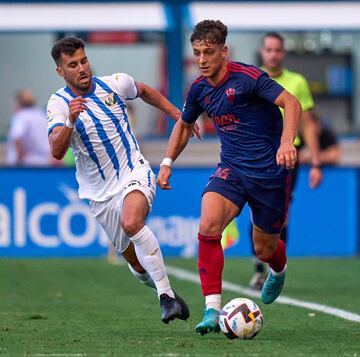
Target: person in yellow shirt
{"points": [[272, 53]]}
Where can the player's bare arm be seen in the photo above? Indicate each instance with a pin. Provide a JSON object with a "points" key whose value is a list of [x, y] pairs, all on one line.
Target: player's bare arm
{"points": [[155, 98], [178, 140], [311, 139], [60, 137], [286, 154]]}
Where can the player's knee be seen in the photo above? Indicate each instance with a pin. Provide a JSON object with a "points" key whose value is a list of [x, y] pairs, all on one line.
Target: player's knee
{"points": [[132, 225], [210, 228], [264, 243], [264, 251], [261, 252]]}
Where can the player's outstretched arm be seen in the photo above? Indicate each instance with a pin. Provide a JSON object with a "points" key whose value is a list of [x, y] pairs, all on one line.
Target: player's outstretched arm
{"points": [[153, 97], [286, 154], [179, 138]]}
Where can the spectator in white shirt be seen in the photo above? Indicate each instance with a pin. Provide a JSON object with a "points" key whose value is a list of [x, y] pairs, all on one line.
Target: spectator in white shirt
{"points": [[27, 143]]}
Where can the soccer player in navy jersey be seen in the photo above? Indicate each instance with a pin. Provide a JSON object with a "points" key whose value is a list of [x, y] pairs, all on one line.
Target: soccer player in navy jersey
{"points": [[256, 153]]}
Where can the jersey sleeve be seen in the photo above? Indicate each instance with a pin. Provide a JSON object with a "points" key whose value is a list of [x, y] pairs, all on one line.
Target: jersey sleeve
{"points": [[57, 112], [267, 88], [192, 108], [125, 86], [304, 95]]}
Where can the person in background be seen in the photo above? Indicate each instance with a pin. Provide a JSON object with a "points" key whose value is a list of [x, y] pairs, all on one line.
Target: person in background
{"points": [[27, 142], [273, 53], [330, 150]]}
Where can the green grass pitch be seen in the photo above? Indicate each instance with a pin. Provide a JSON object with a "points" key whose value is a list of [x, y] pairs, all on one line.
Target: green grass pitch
{"points": [[87, 307]]}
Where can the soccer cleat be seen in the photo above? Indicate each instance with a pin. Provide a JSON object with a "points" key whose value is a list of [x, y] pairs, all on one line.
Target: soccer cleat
{"points": [[272, 287], [257, 281], [210, 322], [173, 308], [185, 313]]}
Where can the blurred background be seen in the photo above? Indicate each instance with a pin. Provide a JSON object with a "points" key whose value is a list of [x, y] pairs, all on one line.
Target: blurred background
{"points": [[40, 213]]}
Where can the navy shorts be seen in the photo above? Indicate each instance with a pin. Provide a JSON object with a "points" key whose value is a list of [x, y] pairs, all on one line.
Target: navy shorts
{"points": [[268, 198]]}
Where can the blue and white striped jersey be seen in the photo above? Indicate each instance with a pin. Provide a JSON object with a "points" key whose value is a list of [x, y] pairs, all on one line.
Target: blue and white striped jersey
{"points": [[104, 147]]}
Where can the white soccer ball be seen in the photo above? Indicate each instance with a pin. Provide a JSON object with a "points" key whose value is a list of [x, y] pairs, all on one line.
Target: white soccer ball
{"points": [[241, 318]]}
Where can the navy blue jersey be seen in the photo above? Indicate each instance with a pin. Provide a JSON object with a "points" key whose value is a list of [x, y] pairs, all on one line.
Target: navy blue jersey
{"points": [[248, 122]]}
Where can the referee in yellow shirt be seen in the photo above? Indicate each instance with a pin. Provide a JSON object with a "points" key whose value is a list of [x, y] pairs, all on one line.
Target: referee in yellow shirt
{"points": [[273, 54]]}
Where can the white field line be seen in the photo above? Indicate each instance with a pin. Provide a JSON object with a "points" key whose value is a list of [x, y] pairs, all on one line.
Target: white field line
{"points": [[343, 314]]}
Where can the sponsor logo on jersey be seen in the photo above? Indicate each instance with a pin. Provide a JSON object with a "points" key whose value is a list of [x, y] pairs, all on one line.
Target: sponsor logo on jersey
{"points": [[207, 100], [110, 100], [50, 117], [225, 119]]}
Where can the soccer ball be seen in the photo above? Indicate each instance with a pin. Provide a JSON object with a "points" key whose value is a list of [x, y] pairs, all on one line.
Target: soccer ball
{"points": [[241, 318]]}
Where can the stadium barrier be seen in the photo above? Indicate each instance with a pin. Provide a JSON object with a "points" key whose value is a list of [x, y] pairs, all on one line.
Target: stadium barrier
{"points": [[42, 216]]}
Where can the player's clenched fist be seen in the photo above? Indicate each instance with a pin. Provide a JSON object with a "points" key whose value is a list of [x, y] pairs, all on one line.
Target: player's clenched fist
{"points": [[286, 155], [76, 106], [163, 177]]}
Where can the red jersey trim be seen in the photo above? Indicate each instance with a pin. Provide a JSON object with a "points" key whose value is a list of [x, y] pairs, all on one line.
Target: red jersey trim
{"points": [[253, 70], [198, 79], [248, 71], [223, 80]]}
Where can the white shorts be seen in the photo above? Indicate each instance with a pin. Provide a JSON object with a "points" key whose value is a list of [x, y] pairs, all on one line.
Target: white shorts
{"points": [[108, 213]]}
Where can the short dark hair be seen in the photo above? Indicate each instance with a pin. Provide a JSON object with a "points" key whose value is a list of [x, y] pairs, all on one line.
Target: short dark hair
{"points": [[68, 46], [210, 31], [273, 34]]}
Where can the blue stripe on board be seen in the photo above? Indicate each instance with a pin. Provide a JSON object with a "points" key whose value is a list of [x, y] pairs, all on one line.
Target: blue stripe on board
{"points": [[105, 140], [85, 138], [122, 106]]}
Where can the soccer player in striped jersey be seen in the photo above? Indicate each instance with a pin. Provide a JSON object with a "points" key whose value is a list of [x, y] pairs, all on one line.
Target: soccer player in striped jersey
{"points": [[89, 115], [256, 151]]}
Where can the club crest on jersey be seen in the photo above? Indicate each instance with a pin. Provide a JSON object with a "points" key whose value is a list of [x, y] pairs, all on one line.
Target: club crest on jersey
{"points": [[230, 93], [110, 100]]}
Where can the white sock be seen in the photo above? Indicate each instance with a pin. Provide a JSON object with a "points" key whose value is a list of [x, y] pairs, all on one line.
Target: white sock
{"points": [[277, 273], [213, 301], [144, 278], [148, 252]]}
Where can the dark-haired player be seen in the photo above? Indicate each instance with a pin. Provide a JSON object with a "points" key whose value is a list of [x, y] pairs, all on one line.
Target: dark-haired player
{"points": [[89, 114], [256, 150]]}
